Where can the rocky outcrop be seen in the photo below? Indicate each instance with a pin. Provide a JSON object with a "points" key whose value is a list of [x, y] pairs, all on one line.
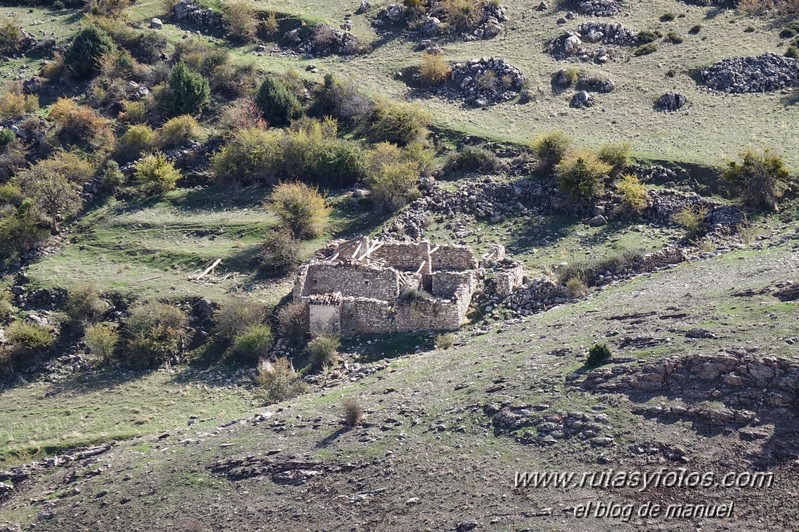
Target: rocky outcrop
{"points": [[192, 12], [570, 43], [671, 101], [764, 73], [485, 81], [599, 8], [433, 21], [323, 40], [545, 425]]}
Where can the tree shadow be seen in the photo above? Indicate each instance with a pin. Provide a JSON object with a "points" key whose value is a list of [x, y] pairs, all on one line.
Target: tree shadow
{"points": [[792, 98], [327, 440]]}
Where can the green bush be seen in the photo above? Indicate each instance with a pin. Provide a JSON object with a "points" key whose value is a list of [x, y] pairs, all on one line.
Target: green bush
{"points": [[156, 332], [645, 49], [695, 29], [582, 175], [398, 124], [674, 38], [252, 155], [137, 140], [301, 209], [20, 230], [280, 252], [667, 17], [237, 315], [646, 37], [6, 137], [187, 91], [472, 159], [113, 178], [394, 185], [29, 336], [597, 355], [6, 306], [761, 178], [85, 303], [88, 47], [445, 341], [551, 148], [692, 219], [343, 101], [241, 20], [10, 36], [589, 271], [792, 52], [293, 323], [102, 340], [178, 131], [199, 55], [634, 197], [616, 155], [323, 351], [280, 382], [253, 343], [156, 175], [277, 103], [576, 287]]}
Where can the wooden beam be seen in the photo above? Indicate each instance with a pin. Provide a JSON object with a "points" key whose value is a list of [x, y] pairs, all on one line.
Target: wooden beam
{"points": [[421, 266], [209, 269]]}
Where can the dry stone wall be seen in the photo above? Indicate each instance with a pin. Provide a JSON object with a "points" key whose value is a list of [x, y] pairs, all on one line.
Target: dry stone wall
{"points": [[354, 280]]}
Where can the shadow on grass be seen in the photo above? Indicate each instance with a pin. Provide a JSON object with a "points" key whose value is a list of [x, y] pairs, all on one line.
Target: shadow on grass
{"points": [[380, 347], [332, 437]]}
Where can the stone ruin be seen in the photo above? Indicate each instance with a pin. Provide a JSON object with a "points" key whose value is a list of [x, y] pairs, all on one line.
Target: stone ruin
{"points": [[764, 73], [322, 40], [433, 21], [192, 12], [366, 286], [570, 44]]}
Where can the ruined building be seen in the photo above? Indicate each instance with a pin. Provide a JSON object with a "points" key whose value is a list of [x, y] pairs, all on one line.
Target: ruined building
{"points": [[365, 286]]}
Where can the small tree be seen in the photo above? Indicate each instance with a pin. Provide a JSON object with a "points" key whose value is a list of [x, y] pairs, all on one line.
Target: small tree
{"points": [[301, 209], [88, 47], [157, 331], [551, 148], [101, 340], [293, 322], [278, 104], [280, 252], [54, 197], [187, 91], [582, 175], [156, 175], [598, 354], [761, 178]]}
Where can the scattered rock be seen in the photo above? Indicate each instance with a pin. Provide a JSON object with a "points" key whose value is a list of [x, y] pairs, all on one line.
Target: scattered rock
{"points": [[671, 101]]}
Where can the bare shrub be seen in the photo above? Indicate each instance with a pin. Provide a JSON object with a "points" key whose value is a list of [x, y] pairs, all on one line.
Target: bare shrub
{"points": [[352, 412]]}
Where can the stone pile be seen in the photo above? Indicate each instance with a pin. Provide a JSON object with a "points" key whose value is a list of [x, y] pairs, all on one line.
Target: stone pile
{"points": [[432, 22], [570, 43], [599, 8], [671, 101], [323, 40], [550, 425], [486, 81], [537, 296], [192, 12], [764, 73], [607, 33]]}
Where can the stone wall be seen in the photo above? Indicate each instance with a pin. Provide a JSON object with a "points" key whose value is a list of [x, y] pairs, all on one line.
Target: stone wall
{"points": [[352, 280], [508, 280], [404, 256], [453, 258], [324, 319], [447, 284], [371, 316]]}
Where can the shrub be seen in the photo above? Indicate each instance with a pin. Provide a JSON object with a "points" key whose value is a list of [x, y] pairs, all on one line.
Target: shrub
{"points": [[253, 343], [240, 20], [271, 26], [551, 148], [462, 15], [411, 295], [278, 104], [199, 55], [179, 130], [692, 219], [445, 341], [101, 340], [634, 197], [29, 336], [113, 178], [6, 306], [250, 156], [472, 159], [667, 17], [342, 101], [134, 112], [792, 52], [53, 186], [80, 125], [85, 303], [20, 231], [156, 175], [279, 381], [187, 91], [84, 54], [645, 49], [293, 323], [301, 209], [616, 155], [241, 114], [576, 287], [434, 69], [157, 331], [353, 413], [237, 315], [695, 29], [136, 141], [597, 355], [582, 175], [10, 36], [646, 37], [233, 80], [15, 104], [280, 252], [323, 351], [760, 178], [394, 185], [6, 137], [399, 124], [674, 38]]}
